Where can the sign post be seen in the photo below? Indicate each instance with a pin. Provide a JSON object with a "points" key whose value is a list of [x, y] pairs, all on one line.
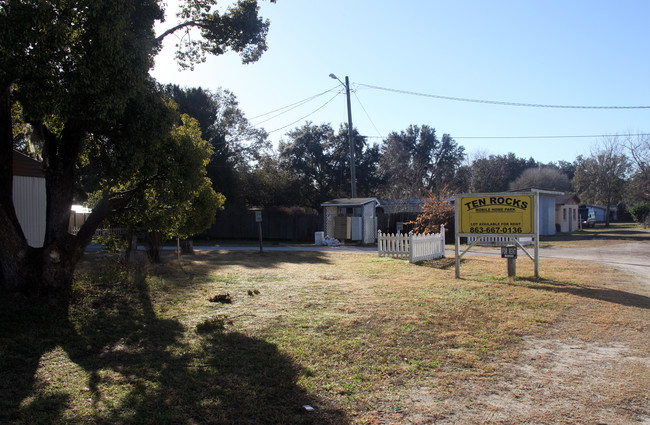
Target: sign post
{"points": [[510, 253], [509, 215], [258, 220]]}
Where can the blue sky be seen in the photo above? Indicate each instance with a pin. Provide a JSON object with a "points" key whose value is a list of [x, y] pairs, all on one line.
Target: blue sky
{"points": [[591, 53]]}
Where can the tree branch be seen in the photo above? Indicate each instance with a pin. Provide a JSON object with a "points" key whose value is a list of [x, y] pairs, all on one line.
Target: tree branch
{"points": [[172, 30]]}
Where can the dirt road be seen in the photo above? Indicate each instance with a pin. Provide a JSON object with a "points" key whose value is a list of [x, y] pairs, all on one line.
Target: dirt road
{"points": [[631, 257]]}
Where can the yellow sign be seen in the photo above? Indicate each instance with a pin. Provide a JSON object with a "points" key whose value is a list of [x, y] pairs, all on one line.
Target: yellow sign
{"points": [[496, 214]]}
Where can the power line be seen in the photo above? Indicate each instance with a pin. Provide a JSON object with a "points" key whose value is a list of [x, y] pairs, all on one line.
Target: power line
{"points": [[292, 106], [545, 137], [311, 113], [364, 110], [532, 137], [496, 102]]}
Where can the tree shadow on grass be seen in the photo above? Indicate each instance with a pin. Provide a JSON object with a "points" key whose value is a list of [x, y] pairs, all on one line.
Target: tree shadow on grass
{"points": [[616, 296], [266, 259], [116, 362], [205, 263], [444, 263]]}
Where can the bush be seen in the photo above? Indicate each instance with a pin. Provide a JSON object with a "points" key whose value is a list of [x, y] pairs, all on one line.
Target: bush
{"points": [[640, 211], [112, 243]]}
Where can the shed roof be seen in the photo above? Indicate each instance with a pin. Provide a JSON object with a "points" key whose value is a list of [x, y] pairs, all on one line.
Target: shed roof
{"points": [[26, 166], [567, 199], [349, 202], [540, 191]]}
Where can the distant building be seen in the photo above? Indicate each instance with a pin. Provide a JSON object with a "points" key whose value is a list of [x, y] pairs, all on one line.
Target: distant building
{"points": [[601, 212], [567, 219]]}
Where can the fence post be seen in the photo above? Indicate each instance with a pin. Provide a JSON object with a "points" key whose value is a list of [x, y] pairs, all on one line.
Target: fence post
{"points": [[442, 234], [411, 247], [379, 242]]}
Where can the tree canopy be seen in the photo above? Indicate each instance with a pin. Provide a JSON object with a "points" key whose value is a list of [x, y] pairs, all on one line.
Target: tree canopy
{"points": [[319, 161], [414, 162], [493, 173], [79, 72], [237, 146]]}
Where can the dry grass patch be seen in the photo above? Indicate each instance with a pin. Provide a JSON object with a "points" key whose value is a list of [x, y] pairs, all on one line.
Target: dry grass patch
{"points": [[360, 338]]}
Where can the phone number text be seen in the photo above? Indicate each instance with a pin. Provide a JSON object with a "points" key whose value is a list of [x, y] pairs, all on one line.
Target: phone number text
{"points": [[495, 229]]}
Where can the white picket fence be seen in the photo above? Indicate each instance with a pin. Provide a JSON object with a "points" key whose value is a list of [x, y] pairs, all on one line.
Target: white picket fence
{"points": [[412, 246]]}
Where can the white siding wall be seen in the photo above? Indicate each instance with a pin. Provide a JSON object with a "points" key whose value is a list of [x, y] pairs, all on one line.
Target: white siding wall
{"points": [[567, 217], [29, 201]]}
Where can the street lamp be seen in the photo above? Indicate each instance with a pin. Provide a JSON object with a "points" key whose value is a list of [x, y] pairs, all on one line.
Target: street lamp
{"points": [[353, 173]]}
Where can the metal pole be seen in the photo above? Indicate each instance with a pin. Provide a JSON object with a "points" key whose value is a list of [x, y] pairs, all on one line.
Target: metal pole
{"points": [[537, 235], [457, 237], [353, 173]]}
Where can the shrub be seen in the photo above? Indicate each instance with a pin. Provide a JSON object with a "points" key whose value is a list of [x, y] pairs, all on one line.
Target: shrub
{"points": [[640, 211]]}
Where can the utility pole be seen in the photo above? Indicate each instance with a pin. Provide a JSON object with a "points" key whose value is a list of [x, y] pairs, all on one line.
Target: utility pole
{"points": [[353, 172]]}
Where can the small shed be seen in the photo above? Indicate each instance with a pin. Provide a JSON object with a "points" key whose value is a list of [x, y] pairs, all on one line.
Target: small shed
{"points": [[29, 197], [353, 219], [566, 213]]}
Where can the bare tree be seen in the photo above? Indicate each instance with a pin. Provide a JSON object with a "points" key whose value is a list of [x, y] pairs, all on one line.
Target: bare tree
{"points": [[638, 149], [600, 178], [547, 178]]}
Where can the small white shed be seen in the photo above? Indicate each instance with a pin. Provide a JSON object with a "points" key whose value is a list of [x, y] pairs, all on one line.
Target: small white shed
{"points": [[352, 219]]}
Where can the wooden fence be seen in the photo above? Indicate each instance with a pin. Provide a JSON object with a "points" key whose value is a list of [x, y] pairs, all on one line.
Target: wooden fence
{"points": [[412, 246], [277, 224]]}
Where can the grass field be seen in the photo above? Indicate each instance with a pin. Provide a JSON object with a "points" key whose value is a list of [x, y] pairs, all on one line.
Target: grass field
{"points": [[248, 338]]}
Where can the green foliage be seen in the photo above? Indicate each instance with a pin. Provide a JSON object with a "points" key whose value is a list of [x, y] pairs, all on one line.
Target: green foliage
{"points": [[239, 29], [239, 149], [493, 173], [80, 71], [415, 161], [113, 244], [318, 161], [179, 200], [47, 46], [640, 211]]}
